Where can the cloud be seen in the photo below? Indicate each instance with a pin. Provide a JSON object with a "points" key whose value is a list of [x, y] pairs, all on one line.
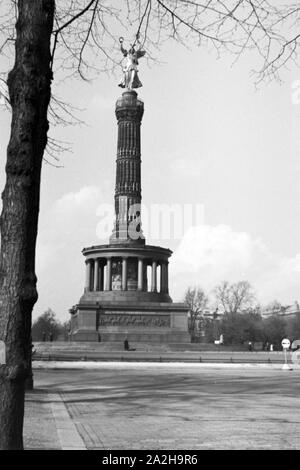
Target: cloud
{"points": [[64, 230], [80, 211], [73, 201], [207, 255]]}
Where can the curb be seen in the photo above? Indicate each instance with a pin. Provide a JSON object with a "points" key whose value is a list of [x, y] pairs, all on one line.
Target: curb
{"points": [[68, 435], [127, 365]]}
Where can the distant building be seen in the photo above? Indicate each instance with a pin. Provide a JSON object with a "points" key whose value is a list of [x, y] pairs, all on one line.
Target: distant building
{"points": [[198, 326], [292, 310]]}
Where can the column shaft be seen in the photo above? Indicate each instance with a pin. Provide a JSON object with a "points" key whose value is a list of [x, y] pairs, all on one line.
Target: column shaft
{"points": [[164, 278], [154, 277], [88, 271], [96, 275], [167, 277], [124, 274], [100, 276], [140, 274], [108, 274]]}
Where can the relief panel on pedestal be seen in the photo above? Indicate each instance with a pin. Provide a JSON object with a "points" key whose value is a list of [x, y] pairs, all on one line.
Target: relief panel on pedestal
{"points": [[135, 320]]}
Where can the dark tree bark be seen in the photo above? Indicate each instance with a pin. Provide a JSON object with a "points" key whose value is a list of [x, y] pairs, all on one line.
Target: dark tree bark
{"points": [[29, 85]]}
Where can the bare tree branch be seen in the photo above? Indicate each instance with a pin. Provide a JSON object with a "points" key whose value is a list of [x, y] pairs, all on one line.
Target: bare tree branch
{"points": [[86, 32]]}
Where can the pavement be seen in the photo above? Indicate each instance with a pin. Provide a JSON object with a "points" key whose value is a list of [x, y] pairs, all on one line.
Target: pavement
{"points": [[162, 406]]}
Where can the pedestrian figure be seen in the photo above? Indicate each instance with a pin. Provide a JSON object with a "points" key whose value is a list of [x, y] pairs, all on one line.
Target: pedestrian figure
{"points": [[33, 351], [44, 336], [126, 345], [250, 346], [51, 337]]}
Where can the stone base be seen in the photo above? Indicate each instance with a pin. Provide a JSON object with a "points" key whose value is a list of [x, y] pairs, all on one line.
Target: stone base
{"points": [[167, 337], [85, 335], [125, 297], [156, 322]]}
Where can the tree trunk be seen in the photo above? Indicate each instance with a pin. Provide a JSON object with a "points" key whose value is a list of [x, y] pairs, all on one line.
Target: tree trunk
{"points": [[29, 85]]}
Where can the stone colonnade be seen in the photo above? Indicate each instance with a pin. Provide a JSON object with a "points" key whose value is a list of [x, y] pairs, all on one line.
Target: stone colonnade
{"points": [[97, 281]]}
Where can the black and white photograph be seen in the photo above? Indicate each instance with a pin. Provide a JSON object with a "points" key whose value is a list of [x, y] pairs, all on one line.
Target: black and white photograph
{"points": [[150, 228]]}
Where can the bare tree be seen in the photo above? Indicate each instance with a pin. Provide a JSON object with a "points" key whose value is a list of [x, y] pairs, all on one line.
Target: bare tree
{"points": [[71, 38], [234, 298], [197, 301], [271, 30], [46, 325], [29, 85]]}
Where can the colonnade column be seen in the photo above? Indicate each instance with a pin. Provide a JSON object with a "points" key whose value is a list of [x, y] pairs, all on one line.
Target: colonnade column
{"points": [[154, 277], [96, 274], [108, 274], [94, 278], [164, 277], [100, 282], [88, 272], [124, 274], [167, 277], [140, 274]]}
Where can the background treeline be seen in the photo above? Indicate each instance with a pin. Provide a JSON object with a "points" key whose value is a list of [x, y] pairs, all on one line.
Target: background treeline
{"points": [[232, 311], [48, 328]]}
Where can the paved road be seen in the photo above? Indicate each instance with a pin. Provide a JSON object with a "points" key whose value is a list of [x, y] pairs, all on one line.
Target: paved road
{"points": [[165, 407]]}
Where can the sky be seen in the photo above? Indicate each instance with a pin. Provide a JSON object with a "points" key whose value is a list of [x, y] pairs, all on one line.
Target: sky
{"points": [[211, 139]]}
